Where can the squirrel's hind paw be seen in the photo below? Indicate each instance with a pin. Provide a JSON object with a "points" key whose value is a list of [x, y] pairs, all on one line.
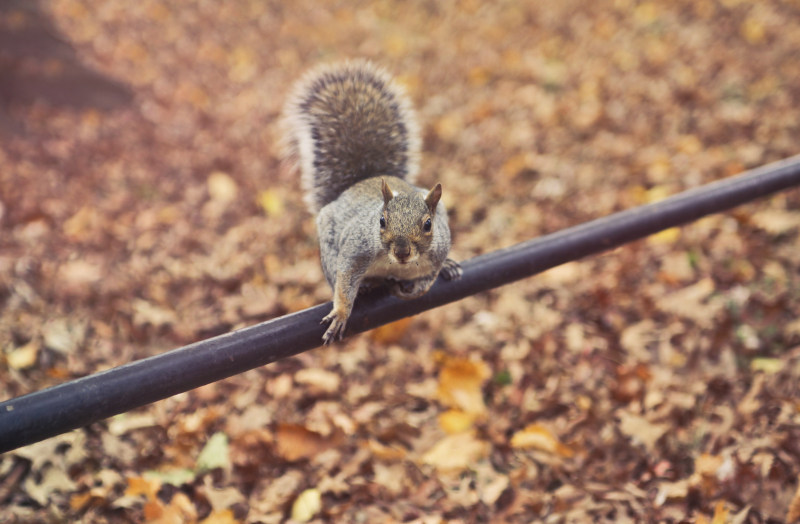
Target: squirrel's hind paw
{"points": [[451, 270]]}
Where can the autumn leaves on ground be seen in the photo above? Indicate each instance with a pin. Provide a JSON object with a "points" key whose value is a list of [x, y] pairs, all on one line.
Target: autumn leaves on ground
{"points": [[656, 382]]}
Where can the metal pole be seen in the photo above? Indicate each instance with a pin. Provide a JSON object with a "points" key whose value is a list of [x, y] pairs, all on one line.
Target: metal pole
{"points": [[37, 416]]}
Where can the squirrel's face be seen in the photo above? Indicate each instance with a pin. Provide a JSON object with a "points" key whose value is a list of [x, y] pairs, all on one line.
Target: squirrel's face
{"points": [[406, 223]]}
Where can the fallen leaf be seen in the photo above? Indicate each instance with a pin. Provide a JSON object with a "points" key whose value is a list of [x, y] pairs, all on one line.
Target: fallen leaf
{"points": [[456, 421], [694, 303], [54, 480], [223, 516], [391, 333], [456, 452], [126, 422], [153, 510], [221, 187], [82, 224], [752, 30], [321, 379], [386, 452], [294, 442], [179, 510], [670, 491], [767, 365], [63, 335], [306, 505], [776, 221], [24, 357], [749, 404], [793, 513], [215, 454], [78, 501], [390, 476], [741, 517], [720, 513], [147, 486], [174, 477], [460, 384], [667, 236], [538, 437], [81, 272], [640, 429], [145, 313], [275, 493], [271, 202], [492, 490], [221, 499]]}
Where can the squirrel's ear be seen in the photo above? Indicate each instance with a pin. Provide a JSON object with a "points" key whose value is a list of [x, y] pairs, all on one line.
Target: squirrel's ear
{"points": [[387, 193], [433, 197]]}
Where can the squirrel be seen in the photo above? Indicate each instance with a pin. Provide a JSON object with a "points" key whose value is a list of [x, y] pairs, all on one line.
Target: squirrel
{"points": [[353, 135]]}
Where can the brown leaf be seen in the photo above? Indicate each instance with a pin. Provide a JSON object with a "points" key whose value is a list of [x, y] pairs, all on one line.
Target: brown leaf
{"points": [[221, 499], [793, 513], [469, 448], [321, 379], [641, 429], [294, 442]]}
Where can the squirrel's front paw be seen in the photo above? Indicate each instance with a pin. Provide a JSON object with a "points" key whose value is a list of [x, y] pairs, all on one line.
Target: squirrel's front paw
{"points": [[451, 270], [336, 330], [406, 289]]}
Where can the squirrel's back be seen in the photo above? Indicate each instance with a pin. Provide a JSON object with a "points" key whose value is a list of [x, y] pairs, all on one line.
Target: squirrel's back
{"points": [[345, 123]]}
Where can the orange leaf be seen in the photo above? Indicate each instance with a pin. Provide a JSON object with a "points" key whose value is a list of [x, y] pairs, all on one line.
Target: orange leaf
{"points": [[391, 333], [460, 384], [79, 501], [143, 486], [294, 442], [720, 513], [385, 452], [538, 437], [153, 509], [224, 516], [456, 421]]}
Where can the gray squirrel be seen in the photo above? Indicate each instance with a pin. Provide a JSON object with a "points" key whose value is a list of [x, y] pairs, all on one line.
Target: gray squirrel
{"points": [[353, 134]]}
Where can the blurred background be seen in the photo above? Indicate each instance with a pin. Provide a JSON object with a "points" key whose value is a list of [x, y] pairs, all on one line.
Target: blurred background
{"points": [[143, 206]]}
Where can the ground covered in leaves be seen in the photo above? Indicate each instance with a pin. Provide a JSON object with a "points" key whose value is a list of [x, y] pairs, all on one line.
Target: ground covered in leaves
{"points": [[658, 381]]}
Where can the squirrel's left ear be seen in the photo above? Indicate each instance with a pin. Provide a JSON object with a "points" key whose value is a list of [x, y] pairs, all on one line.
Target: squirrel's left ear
{"points": [[433, 197], [387, 192]]}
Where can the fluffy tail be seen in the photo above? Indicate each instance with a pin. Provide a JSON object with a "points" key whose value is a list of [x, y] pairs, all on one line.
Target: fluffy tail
{"points": [[347, 122]]}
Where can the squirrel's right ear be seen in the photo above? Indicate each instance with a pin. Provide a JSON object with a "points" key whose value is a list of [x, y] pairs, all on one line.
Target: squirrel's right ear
{"points": [[387, 193], [433, 197]]}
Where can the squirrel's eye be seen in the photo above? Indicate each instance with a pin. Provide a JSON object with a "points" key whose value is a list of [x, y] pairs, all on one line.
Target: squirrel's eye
{"points": [[383, 223], [427, 225]]}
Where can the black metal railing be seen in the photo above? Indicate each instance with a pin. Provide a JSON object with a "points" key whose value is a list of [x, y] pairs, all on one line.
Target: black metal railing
{"points": [[37, 416]]}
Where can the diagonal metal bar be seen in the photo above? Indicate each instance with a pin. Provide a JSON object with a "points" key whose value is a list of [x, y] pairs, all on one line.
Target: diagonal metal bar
{"points": [[43, 414]]}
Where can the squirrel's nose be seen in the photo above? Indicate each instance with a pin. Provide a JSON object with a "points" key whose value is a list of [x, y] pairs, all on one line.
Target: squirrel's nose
{"points": [[402, 250]]}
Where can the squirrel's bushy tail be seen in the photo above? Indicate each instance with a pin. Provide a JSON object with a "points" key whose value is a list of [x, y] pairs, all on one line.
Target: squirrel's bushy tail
{"points": [[347, 122]]}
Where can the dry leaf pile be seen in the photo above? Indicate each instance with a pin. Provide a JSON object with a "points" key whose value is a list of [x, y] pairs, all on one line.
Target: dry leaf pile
{"points": [[657, 382]]}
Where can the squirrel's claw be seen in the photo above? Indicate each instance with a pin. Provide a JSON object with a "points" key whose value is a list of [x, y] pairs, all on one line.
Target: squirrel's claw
{"points": [[335, 331], [406, 289], [451, 270]]}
